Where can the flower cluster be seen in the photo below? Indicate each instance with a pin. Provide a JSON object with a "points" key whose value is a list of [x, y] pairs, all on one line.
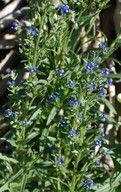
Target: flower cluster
{"points": [[53, 148], [64, 9], [103, 117], [102, 91], [13, 82], [102, 134], [103, 73], [33, 69], [73, 132], [73, 101], [8, 113], [101, 45], [63, 123], [52, 96], [70, 83], [88, 183], [98, 142], [60, 161], [92, 88], [109, 82], [14, 25], [33, 32], [15, 115], [60, 73], [90, 65]]}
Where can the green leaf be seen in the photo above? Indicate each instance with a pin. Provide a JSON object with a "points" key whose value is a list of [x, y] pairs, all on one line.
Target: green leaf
{"points": [[35, 115], [9, 159], [118, 75], [9, 141], [52, 72], [5, 187], [116, 60], [109, 105], [51, 115], [4, 125], [23, 183]]}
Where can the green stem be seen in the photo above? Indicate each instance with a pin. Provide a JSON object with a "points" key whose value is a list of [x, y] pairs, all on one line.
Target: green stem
{"points": [[38, 39]]}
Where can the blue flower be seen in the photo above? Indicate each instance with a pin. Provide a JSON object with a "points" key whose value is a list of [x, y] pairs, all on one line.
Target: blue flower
{"points": [[14, 25], [101, 89], [99, 59], [61, 74], [106, 153], [97, 66], [10, 72], [56, 95], [70, 82], [89, 65], [102, 93], [107, 72], [15, 115], [77, 86], [63, 123], [95, 54], [109, 82], [105, 49], [103, 134], [88, 70], [74, 131], [24, 122], [85, 181], [47, 99], [98, 162], [102, 115], [100, 133], [71, 135], [91, 184], [8, 113], [64, 9], [13, 82], [33, 69], [104, 119], [76, 102], [8, 81], [71, 99], [92, 88], [80, 116], [92, 83], [84, 87], [32, 31], [87, 189], [97, 143], [103, 73], [60, 161], [53, 148], [99, 140], [101, 45], [57, 70], [93, 64], [100, 127], [37, 30]]}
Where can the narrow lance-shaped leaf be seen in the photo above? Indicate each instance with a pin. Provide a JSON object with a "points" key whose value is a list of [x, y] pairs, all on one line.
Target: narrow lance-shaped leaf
{"points": [[51, 115]]}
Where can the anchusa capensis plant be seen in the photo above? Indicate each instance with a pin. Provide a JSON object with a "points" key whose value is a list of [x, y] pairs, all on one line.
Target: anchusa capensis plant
{"points": [[56, 129]]}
